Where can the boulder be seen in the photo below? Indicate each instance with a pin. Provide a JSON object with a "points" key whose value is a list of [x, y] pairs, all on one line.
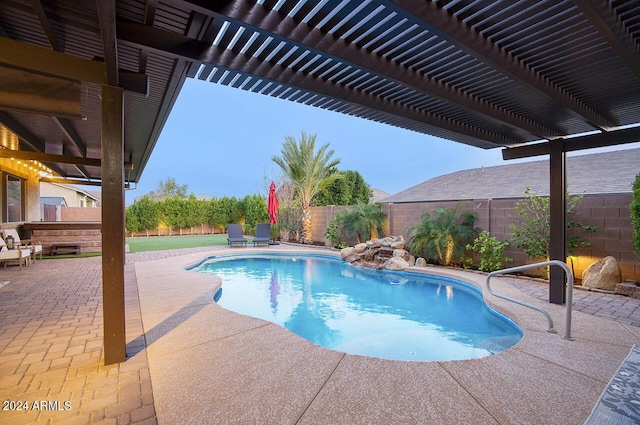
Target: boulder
{"points": [[421, 262], [374, 243], [603, 274], [398, 244], [395, 263], [359, 248], [376, 253], [347, 252], [401, 253]]}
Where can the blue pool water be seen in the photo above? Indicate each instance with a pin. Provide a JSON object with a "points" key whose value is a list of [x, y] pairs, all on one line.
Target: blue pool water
{"points": [[392, 315]]}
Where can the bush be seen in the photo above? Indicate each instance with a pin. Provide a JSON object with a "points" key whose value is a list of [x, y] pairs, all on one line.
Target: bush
{"points": [[443, 236], [491, 252], [333, 232], [532, 229], [361, 221]]}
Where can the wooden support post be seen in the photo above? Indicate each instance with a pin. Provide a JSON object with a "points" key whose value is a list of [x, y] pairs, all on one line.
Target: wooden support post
{"points": [[113, 257], [558, 220]]}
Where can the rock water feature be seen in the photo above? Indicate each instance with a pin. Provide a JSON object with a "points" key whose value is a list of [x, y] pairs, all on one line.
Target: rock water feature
{"points": [[385, 253]]}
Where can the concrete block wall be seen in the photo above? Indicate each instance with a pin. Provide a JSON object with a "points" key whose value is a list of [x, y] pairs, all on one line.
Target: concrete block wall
{"points": [[80, 214], [609, 212]]}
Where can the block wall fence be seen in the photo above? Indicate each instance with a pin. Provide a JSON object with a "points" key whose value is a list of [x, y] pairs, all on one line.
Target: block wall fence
{"points": [[610, 213]]}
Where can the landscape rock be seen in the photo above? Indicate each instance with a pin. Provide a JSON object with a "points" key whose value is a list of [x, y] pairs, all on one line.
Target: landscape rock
{"points": [[396, 263], [388, 252], [399, 244], [401, 253], [347, 252], [359, 248], [421, 262], [603, 274], [630, 289]]}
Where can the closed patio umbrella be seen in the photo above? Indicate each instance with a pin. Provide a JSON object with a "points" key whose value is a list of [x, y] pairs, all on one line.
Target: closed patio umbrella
{"points": [[273, 204]]}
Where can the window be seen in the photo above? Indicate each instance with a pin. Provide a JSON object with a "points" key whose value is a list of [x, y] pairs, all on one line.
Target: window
{"points": [[13, 201]]}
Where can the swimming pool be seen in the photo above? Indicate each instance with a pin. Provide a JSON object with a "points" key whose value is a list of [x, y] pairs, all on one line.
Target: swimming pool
{"points": [[392, 315]]}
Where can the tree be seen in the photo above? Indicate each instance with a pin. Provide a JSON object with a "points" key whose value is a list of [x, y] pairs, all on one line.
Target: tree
{"points": [[309, 172], [171, 212], [362, 220], [169, 189], [193, 212], [255, 210], [143, 215], [532, 229], [132, 224], [443, 235], [350, 189], [635, 215]]}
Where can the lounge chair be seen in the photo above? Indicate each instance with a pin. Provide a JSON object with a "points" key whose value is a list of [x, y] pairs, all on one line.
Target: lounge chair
{"points": [[17, 254], [263, 234], [234, 234], [34, 246]]}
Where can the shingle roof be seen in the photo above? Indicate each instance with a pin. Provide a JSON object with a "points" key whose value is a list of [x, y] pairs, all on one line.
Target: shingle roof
{"points": [[608, 172]]}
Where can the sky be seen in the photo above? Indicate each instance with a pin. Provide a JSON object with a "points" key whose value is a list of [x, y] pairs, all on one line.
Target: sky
{"points": [[219, 141]]}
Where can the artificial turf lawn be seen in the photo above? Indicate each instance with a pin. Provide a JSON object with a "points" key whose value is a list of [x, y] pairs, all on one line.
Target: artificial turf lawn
{"points": [[159, 243]]}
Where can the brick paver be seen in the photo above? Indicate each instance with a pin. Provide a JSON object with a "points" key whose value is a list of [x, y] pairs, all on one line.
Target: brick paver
{"points": [[51, 342]]}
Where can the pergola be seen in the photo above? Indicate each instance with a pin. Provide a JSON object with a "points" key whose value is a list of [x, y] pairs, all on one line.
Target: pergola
{"points": [[87, 85]]}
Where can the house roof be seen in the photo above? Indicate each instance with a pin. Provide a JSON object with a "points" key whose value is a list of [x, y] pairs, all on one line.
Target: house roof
{"points": [[608, 172], [72, 188], [484, 73], [58, 201]]}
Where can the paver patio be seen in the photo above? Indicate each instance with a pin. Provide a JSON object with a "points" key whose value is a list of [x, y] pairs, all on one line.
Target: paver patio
{"points": [[190, 361]]}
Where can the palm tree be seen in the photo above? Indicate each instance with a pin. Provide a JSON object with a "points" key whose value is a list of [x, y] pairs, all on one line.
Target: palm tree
{"points": [[443, 235], [309, 172], [361, 220]]}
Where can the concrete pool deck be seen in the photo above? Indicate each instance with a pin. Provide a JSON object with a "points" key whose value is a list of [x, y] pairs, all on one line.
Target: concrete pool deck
{"points": [[191, 361], [209, 365]]}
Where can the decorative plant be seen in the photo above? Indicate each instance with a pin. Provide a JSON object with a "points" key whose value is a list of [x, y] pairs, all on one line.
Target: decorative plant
{"points": [[531, 231], [309, 172], [362, 220], [332, 233], [491, 252], [444, 235]]}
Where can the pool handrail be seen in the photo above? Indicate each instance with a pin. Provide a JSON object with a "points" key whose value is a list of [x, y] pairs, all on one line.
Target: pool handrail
{"points": [[569, 292]]}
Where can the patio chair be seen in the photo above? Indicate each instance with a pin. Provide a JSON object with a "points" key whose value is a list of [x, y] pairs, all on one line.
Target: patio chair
{"points": [[18, 254], [34, 246], [263, 234], [234, 234]]}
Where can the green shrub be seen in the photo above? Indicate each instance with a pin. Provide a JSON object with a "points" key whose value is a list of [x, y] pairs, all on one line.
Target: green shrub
{"points": [[444, 235], [491, 252]]}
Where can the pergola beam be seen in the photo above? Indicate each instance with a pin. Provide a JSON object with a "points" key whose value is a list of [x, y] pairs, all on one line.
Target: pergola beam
{"points": [[71, 134], [48, 157], [283, 28], [107, 19], [70, 181], [46, 25], [25, 136], [618, 137], [47, 62], [194, 50], [605, 20], [431, 15]]}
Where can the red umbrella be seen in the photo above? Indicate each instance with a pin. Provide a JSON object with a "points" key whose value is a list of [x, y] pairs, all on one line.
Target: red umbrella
{"points": [[273, 204]]}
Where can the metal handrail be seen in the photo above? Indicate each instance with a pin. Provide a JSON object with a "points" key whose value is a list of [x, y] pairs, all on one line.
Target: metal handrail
{"points": [[569, 295]]}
